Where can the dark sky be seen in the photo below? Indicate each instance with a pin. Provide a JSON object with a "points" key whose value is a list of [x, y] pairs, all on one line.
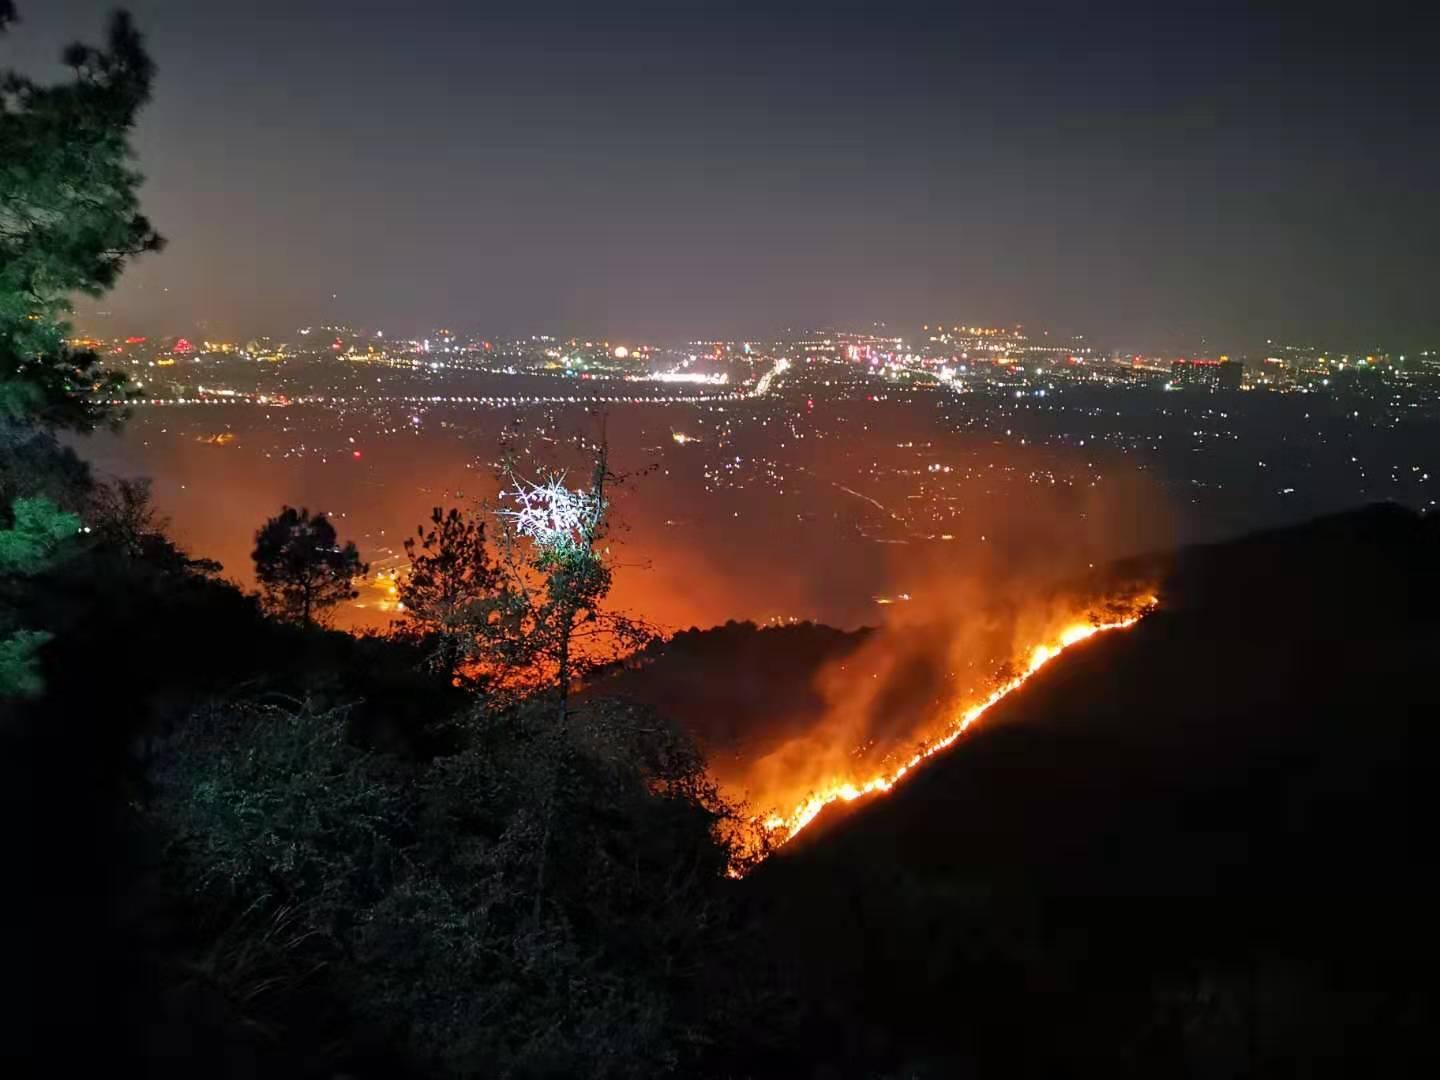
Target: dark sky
{"points": [[1144, 173]]}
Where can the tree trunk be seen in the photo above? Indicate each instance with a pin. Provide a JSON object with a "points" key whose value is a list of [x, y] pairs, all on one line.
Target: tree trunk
{"points": [[305, 600], [564, 674], [563, 679]]}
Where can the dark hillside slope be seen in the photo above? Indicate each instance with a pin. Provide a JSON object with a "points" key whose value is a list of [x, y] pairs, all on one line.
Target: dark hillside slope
{"points": [[738, 689], [1201, 847]]}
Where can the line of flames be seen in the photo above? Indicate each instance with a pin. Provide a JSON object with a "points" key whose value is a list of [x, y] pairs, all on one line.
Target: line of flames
{"points": [[783, 828]]}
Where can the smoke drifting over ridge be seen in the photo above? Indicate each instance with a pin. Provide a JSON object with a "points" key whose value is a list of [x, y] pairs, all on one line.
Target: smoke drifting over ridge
{"points": [[915, 679], [961, 614]]}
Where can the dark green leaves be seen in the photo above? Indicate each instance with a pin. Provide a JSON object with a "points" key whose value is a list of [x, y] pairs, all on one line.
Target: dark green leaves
{"points": [[69, 222]]}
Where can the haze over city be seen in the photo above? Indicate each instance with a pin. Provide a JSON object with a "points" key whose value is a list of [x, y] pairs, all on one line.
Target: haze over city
{"points": [[1154, 178], [719, 540]]}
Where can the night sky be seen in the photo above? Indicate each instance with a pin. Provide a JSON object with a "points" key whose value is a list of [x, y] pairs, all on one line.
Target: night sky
{"points": [[1147, 174]]}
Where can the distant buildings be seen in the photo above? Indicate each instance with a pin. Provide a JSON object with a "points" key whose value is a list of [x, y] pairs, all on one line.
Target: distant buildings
{"points": [[1221, 374], [338, 361]]}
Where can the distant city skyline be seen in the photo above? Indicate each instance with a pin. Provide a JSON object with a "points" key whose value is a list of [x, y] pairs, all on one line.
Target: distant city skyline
{"points": [[1147, 175], [101, 323]]}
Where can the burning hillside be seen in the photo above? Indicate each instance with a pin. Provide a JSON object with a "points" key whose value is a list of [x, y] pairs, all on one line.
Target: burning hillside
{"points": [[794, 719], [846, 784]]}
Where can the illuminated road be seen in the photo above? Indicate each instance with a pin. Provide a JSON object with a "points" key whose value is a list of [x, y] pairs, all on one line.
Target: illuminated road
{"points": [[237, 397]]}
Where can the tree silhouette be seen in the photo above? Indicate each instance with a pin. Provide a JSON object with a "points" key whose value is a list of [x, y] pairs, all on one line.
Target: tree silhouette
{"points": [[123, 515], [123, 518], [301, 567], [69, 221], [451, 577], [547, 619]]}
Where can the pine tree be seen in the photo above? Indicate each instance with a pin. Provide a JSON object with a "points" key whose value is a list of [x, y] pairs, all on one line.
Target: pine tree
{"points": [[69, 221], [444, 594], [302, 569]]}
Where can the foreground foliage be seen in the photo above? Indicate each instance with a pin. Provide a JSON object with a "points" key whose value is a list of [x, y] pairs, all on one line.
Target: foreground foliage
{"points": [[69, 221], [37, 531], [414, 891]]}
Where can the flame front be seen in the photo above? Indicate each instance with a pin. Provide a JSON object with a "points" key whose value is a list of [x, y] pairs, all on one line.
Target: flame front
{"points": [[784, 827]]}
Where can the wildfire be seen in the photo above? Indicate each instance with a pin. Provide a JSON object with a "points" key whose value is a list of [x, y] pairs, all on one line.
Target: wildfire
{"points": [[784, 827]]}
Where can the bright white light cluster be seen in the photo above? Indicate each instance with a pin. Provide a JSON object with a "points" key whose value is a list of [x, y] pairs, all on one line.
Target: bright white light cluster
{"points": [[762, 387], [696, 377], [551, 514]]}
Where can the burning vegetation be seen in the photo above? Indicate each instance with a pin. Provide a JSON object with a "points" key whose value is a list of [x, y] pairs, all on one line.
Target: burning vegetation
{"points": [[906, 693]]}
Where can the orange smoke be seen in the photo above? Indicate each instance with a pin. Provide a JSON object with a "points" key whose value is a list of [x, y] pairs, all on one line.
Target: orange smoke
{"points": [[911, 692], [785, 826]]}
